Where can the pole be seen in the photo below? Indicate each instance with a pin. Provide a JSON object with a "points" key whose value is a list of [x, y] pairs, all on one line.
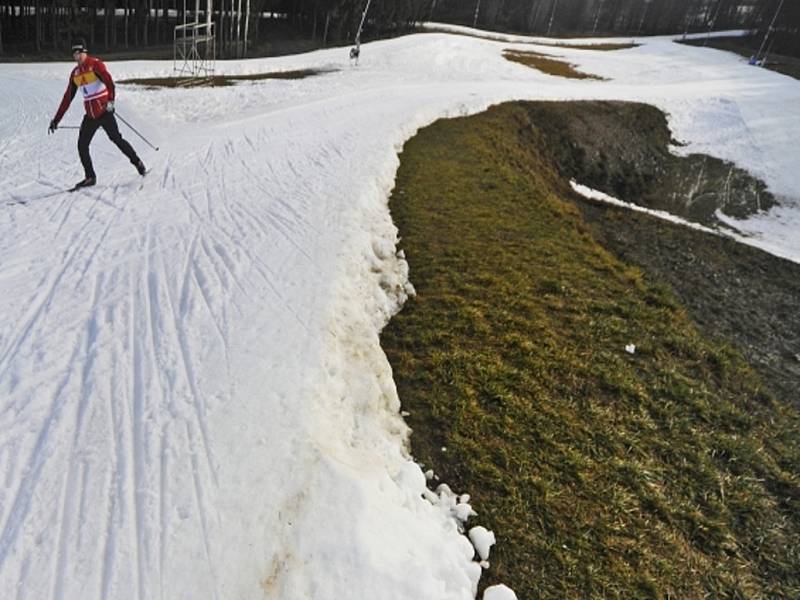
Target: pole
{"points": [[552, 16], [136, 132], [247, 26], [769, 30], [361, 25], [713, 21]]}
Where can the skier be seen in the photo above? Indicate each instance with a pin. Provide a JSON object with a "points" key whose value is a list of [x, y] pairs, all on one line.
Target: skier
{"points": [[97, 89]]}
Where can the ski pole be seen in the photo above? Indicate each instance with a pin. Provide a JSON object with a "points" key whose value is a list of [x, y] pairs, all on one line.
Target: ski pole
{"points": [[68, 127], [136, 132]]}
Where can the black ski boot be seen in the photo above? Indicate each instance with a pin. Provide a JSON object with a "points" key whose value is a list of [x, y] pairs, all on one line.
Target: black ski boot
{"points": [[88, 182], [141, 168]]}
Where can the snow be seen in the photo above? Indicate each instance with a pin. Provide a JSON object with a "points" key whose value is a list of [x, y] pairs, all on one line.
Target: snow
{"points": [[483, 540], [193, 398], [499, 592]]}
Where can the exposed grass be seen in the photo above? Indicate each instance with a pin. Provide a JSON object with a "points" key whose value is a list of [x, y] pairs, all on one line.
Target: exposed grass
{"points": [[221, 80], [665, 473], [547, 64], [607, 47]]}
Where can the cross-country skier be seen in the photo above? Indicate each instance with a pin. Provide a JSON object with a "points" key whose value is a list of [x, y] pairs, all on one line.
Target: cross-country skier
{"points": [[97, 90]]}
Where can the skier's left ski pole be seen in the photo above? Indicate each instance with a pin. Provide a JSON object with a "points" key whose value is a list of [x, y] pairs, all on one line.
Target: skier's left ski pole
{"points": [[136, 132]]}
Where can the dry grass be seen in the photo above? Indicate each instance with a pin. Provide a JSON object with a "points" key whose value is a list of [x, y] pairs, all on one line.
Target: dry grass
{"points": [[221, 80], [600, 47], [547, 64]]}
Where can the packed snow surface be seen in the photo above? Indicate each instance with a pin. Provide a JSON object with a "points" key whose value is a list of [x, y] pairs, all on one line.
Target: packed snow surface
{"points": [[193, 400]]}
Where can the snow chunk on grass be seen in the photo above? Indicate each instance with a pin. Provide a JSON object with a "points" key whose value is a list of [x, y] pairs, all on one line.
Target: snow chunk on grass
{"points": [[499, 592], [483, 540]]}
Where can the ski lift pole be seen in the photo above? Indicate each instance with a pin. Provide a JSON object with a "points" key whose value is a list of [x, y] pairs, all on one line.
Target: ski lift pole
{"points": [[769, 30], [136, 132], [361, 25]]}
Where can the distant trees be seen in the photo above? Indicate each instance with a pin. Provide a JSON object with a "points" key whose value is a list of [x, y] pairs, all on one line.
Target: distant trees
{"points": [[626, 17], [607, 16], [48, 25]]}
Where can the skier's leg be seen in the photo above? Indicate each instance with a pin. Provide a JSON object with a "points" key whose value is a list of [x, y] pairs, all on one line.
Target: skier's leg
{"points": [[109, 123], [88, 128]]}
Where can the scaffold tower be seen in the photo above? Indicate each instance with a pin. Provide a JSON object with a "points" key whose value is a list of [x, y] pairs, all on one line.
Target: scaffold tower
{"points": [[194, 52]]}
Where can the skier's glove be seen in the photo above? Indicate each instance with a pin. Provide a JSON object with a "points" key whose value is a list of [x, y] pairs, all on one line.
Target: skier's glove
{"points": [[110, 107], [53, 127]]}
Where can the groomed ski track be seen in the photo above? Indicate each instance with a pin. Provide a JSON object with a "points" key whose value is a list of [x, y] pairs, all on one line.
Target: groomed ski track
{"points": [[193, 399]]}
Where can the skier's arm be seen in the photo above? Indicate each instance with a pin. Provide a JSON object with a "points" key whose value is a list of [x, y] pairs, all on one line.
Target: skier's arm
{"points": [[66, 100], [104, 76]]}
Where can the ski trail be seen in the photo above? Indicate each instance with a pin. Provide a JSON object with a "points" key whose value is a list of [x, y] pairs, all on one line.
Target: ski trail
{"points": [[35, 464]]}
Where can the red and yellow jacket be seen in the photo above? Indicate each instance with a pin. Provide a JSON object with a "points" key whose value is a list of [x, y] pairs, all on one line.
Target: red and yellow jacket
{"points": [[96, 85]]}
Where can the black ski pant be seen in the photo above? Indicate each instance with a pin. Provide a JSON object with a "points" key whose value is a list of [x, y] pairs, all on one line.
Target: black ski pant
{"points": [[89, 127]]}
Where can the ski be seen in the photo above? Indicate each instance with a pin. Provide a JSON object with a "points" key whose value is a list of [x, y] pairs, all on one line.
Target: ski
{"points": [[25, 201]]}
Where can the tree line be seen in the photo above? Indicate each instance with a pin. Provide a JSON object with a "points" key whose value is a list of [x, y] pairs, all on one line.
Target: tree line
{"points": [[48, 26]]}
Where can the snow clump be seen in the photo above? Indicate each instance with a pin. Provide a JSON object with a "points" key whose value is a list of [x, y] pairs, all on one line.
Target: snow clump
{"points": [[499, 592], [483, 540]]}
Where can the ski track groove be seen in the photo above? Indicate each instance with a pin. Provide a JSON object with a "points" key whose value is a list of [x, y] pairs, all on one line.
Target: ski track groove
{"points": [[270, 227], [57, 592], [36, 461], [206, 300], [82, 502], [202, 511], [178, 318], [74, 462], [133, 399], [162, 506], [115, 491], [214, 259], [90, 259], [23, 576], [22, 334]]}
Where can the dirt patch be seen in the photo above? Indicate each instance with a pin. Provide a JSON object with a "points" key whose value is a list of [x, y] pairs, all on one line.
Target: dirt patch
{"points": [[623, 150], [732, 291], [547, 64]]}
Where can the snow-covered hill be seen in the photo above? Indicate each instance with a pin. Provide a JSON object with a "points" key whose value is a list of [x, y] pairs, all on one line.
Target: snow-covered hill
{"points": [[193, 400]]}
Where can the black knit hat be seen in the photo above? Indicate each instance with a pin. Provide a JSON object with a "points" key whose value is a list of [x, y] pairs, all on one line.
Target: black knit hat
{"points": [[79, 45]]}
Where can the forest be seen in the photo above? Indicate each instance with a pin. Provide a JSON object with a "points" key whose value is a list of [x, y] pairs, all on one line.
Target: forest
{"points": [[48, 26]]}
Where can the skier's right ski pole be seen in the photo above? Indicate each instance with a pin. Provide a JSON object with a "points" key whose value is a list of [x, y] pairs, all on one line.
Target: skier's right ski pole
{"points": [[136, 132]]}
